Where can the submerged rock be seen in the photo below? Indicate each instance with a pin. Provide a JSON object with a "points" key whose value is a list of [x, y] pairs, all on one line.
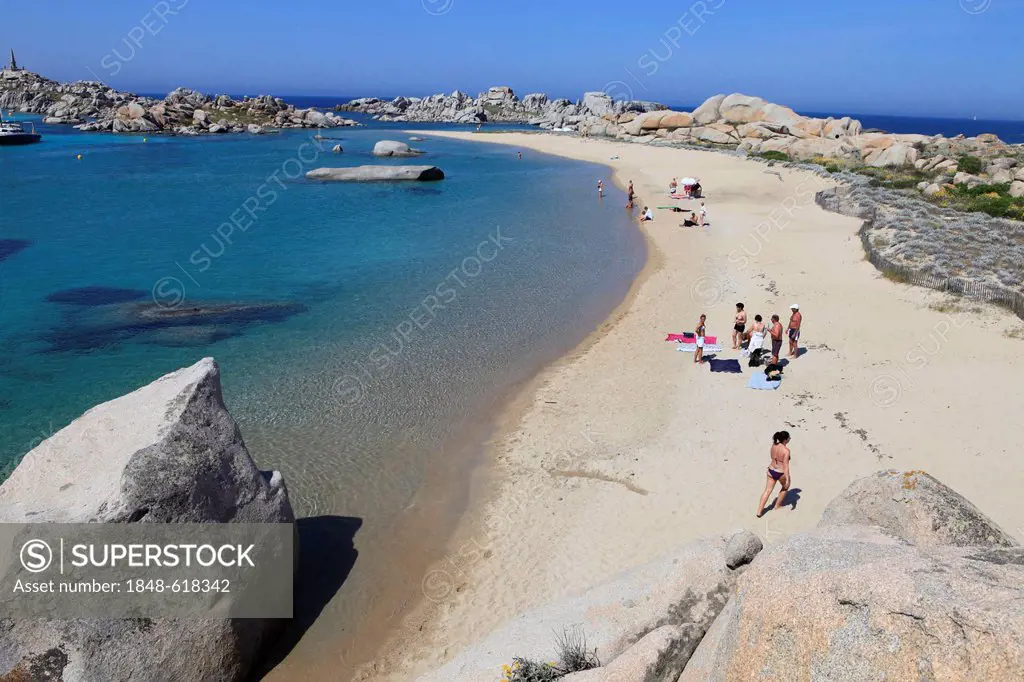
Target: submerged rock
{"points": [[9, 247], [167, 453], [377, 174], [104, 324]]}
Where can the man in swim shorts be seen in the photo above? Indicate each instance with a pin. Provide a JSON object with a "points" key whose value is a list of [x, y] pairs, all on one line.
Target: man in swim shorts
{"points": [[776, 333], [794, 329]]}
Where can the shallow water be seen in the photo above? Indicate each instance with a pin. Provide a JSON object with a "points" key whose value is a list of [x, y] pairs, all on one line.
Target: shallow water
{"points": [[382, 323]]}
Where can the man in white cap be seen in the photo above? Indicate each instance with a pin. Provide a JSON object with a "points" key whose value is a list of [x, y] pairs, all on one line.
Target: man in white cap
{"points": [[794, 329]]}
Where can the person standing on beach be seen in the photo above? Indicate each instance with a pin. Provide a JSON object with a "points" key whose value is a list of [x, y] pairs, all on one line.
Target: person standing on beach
{"points": [[778, 472], [794, 329], [698, 356], [630, 195], [776, 332], [739, 326], [703, 214], [756, 335]]}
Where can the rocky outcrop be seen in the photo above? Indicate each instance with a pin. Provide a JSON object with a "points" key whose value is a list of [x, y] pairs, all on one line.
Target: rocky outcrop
{"points": [[853, 603], [901, 229], [377, 174], [913, 506], [500, 104], [168, 453], [917, 585], [93, 106], [666, 605], [393, 148]]}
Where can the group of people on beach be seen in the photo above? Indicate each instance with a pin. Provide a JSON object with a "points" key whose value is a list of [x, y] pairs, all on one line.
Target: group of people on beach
{"points": [[696, 219], [754, 337]]}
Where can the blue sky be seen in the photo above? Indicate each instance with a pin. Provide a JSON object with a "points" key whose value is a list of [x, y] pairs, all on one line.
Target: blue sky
{"points": [[916, 57]]}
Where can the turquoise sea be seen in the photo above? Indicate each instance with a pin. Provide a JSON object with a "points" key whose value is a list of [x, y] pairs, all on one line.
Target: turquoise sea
{"points": [[365, 332]]}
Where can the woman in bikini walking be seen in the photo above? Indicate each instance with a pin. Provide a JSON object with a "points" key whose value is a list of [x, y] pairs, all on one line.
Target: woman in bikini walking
{"points": [[778, 471]]}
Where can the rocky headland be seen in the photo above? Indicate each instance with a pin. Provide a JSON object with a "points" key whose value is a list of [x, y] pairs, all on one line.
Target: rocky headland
{"points": [[166, 453], [980, 173], [500, 104], [902, 579], [93, 106]]}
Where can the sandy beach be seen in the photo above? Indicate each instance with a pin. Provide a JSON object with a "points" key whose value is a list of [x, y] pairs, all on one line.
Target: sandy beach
{"points": [[626, 448]]}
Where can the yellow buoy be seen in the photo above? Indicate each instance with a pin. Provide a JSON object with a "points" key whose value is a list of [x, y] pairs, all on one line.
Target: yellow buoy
{"points": [[143, 139], [79, 157]]}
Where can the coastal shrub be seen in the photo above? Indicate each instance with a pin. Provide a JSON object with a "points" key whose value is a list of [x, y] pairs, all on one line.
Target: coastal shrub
{"points": [[969, 164], [774, 156], [573, 656], [995, 200]]}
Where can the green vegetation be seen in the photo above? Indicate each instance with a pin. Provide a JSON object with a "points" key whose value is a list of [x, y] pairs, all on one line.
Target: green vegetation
{"points": [[969, 164], [905, 177], [774, 156], [573, 656], [994, 200]]}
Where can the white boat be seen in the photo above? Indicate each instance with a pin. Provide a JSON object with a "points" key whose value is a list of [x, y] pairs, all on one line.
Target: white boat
{"points": [[12, 132]]}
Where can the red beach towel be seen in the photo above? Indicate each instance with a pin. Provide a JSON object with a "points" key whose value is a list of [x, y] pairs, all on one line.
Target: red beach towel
{"points": [[688, 337]]}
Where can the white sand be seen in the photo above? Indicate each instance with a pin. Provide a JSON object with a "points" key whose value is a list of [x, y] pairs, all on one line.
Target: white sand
{"points": [[627, 449]]}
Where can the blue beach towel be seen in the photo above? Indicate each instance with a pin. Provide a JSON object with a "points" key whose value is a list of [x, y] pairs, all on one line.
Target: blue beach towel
{"points": [[759, 381], [730, 366]]}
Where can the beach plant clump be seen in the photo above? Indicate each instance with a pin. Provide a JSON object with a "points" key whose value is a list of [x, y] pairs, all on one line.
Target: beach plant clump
{"points": [[774, 156], [969, 164], [573, 656], [995, 200]]}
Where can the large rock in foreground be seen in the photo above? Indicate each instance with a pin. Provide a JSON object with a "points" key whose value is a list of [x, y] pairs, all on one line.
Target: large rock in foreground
{"points": [[851, 603], [378, 174], [914, 507], [168, 453], [392, 148], [685, 590]]}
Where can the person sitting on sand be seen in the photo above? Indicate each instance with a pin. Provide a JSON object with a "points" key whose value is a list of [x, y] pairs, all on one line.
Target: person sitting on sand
{"points": [[776, 333], [695, 191], [673, 186], [794, 329], [691, 221], [698, 356], [778, 472], [739, 325], [646, 215]]}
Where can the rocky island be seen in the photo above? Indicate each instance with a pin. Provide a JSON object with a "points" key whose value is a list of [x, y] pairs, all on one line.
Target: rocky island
{"points": [[93, 106]]}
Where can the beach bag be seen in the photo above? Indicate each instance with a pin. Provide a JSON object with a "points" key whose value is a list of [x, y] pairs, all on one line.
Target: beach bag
{"points": [[757, 357]]}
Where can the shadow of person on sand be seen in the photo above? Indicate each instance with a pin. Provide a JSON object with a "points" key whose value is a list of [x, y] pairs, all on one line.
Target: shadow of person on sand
{"points": [[327, 554], [792, 497]]}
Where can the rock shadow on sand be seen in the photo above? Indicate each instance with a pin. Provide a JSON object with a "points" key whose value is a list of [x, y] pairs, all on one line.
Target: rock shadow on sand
{"points": [[327, 554]]}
